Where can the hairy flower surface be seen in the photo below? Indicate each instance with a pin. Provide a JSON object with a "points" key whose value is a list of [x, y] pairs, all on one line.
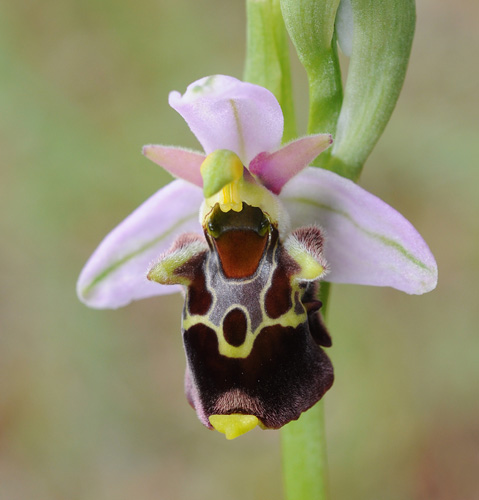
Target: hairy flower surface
{"points": [[269, 229]]}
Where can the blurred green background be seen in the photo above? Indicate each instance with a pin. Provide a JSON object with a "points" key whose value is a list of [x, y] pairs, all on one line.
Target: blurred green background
{"points": [[91, 402]]}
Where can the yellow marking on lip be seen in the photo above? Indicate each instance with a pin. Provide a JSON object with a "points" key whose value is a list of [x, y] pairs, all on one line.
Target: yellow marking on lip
{"points": [[288, 319], [233, 425]]}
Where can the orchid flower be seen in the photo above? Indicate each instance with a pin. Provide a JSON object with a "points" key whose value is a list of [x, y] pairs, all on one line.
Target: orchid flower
{"points": [[270, 228]]}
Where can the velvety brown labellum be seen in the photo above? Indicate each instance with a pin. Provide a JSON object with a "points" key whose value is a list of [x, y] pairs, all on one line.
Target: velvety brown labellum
{"points": [[253, 346]]}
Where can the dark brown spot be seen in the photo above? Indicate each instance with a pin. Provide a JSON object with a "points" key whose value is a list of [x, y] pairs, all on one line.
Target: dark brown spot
{"points": [[235, 327], [199, 299], [278, 296]]}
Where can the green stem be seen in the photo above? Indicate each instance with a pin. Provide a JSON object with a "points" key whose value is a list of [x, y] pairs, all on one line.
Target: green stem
{"points": [[311, 27], [304, 456], [267, 57], [305, 469]]}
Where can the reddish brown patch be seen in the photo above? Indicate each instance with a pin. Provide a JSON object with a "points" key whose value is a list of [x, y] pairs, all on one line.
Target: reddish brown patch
{"points": [[235, 327], [278, 296], [240, 252], [199, 299]]}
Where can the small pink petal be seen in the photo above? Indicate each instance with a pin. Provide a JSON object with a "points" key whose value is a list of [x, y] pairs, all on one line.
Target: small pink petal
{"points": [[367, 242], [226, 113], [275, 169], [180, 162], [115, 274]]}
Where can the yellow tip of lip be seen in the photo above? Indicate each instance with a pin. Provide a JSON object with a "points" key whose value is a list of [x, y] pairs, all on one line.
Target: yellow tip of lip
{"points": [[233, 425]]}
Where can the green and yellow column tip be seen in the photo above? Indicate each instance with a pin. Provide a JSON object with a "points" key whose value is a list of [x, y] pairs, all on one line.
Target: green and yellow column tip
{"points": [[222, 172]]}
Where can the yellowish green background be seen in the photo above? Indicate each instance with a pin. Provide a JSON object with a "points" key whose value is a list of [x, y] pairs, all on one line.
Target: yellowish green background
{"points": [[91, 402]]}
